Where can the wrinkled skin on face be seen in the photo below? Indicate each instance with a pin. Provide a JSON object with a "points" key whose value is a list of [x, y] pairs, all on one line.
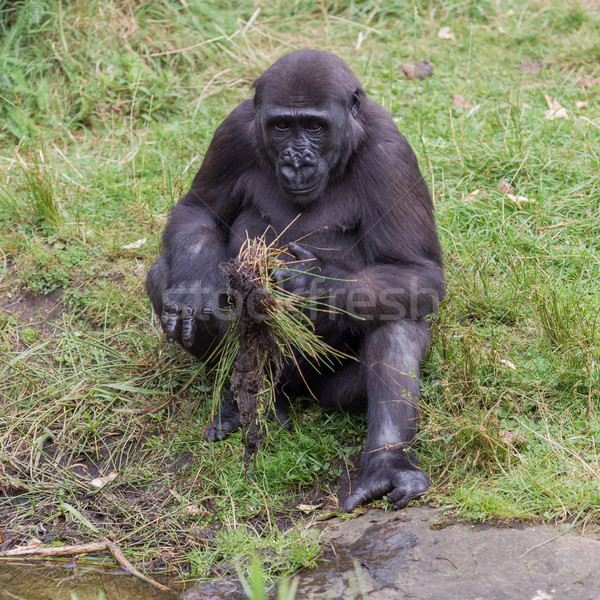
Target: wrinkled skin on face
{"points": [[306, 134], [312, 164], [304, 145]]}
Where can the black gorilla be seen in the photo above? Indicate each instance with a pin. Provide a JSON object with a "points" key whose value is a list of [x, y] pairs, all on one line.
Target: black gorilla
{"points": [[312, 160]]}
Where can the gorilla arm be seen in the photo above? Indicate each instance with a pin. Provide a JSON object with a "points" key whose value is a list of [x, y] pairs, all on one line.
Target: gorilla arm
{"points": [[196, 235]]}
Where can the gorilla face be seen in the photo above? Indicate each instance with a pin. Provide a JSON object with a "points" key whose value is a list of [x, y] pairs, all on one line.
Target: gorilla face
{"points": [[307, 118], [304, 145]]}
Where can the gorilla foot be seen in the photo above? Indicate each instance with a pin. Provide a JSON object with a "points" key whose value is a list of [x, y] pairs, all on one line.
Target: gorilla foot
{"points": [[228, 420], [222, 427], [401, 483], [278, 415]]}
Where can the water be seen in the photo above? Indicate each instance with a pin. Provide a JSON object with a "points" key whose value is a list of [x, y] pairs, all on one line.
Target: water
{"points": [[39, 581], [380, 552]]}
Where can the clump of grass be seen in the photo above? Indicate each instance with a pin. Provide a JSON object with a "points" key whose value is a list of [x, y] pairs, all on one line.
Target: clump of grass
{"points": [[269, 329], [35, 202]]}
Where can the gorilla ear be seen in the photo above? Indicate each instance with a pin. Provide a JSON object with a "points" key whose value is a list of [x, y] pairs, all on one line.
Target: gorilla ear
{"points": [[356, 102], [255, 87]]}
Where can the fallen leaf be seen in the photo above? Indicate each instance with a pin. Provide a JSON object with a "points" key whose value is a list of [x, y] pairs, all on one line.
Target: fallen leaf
{"points": [[473, 110], [33, 542], [507, 363], [588, 82], [508, 437], [100, 482], [308, 508], [520, 199], [504, 187], [460, 102], [581, 104], [136, 244], [528, 67], [421, 69], [555, 110], [445, 33], [194, 511]]}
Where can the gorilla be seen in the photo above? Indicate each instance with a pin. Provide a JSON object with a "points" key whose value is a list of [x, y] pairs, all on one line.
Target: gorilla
{"points": [[311, 162]]}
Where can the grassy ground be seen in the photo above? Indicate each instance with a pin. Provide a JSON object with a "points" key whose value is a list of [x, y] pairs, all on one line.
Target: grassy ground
{"points": [[106, 109]]}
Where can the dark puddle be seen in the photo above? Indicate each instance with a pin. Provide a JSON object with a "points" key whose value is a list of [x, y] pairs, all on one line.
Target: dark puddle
{"points": [[26, 581], [381, 552]]}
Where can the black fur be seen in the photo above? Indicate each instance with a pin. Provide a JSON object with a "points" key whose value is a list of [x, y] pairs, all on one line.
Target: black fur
{"points": [[313, 160]]}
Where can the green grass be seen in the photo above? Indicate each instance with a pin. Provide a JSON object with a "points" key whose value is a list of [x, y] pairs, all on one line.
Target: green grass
{"points": [[106, 109]]}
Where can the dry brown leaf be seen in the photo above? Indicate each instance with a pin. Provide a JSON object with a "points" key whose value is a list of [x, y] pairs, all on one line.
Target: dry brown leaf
{"points": [[194, 511], [508, 437], [134, 245], [421, 69], [528, 67], [504, 187], [445, 33], [589, 82], [555, 110], [520, 199], [100, 482], [308, 508], [581, 104], [460, 101], [507, 363]]}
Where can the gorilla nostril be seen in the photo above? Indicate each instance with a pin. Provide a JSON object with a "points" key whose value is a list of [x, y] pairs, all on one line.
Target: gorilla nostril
{"points": [[309, 159], [288, 172]]}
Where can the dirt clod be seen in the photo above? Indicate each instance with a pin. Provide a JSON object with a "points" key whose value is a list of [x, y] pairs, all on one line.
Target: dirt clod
{"points": [[257, 366]]}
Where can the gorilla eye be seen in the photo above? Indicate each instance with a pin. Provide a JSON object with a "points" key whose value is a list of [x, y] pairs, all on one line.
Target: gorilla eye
{"points": [[281, 126], [314, 126]]}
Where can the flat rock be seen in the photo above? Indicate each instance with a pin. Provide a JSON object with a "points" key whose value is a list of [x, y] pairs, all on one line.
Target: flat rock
{"points": [[419, 553]]}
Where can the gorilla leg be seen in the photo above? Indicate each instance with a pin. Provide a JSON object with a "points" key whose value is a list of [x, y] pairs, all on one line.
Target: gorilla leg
{"points": [[345, 388], [391, 358], [209, 330]]}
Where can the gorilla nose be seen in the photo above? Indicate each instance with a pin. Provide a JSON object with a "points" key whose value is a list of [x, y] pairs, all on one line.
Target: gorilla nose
{"points": [[297, 167]]}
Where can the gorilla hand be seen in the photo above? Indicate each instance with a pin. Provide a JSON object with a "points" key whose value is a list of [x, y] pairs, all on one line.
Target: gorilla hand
{"points": [[178, 321], [388, 471], [184, 305], [306, 275]]}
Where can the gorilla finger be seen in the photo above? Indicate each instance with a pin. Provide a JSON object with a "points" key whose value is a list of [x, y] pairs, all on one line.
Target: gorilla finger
{"points": [[281, 275], [208, 308], [300, 253], [400, 498], [360, 496], [412, 485], [212, 434], [172, 324], [188, 326]]}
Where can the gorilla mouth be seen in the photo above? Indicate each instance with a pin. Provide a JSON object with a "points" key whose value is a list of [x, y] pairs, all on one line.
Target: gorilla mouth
{"points": [[300, 191]]}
